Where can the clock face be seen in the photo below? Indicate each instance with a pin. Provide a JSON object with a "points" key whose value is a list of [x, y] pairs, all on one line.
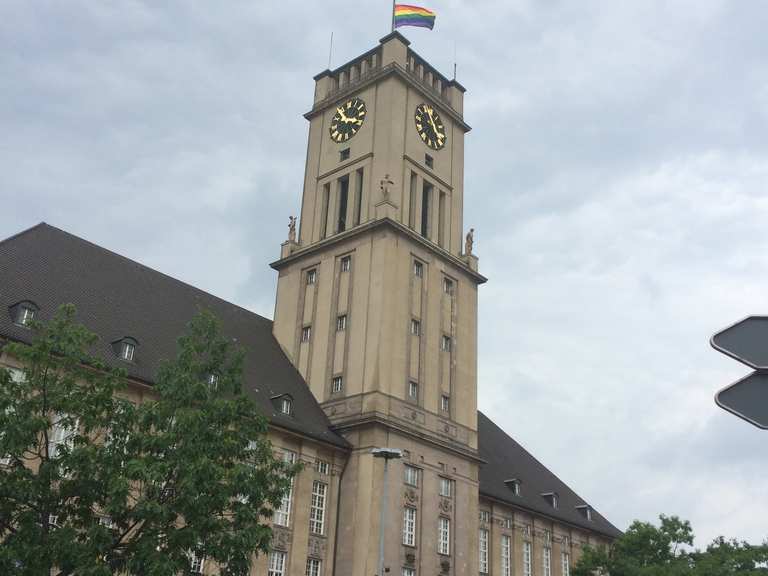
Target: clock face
{"points": [[430, 127], [347, 120]]}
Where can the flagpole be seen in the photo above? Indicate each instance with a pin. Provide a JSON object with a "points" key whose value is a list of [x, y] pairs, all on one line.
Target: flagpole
{"points": [[393, 15]]}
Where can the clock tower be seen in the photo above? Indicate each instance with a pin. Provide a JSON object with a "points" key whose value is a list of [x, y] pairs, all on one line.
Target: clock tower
{"points": [[377, 308]]}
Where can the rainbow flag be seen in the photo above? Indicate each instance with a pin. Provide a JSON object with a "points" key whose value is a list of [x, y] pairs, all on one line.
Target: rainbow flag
{"points": [[406, 15]]}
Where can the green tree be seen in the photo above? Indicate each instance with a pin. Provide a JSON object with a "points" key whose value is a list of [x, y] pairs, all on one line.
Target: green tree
{"points": [[725, 557], [666, 550], [93, 484]]}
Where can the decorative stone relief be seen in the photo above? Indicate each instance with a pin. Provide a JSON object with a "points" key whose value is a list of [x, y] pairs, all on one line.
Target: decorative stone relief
{"points": [[316, 547], [281, 538], [445, 565], [445, 505], [410, 558], [411, 497]]}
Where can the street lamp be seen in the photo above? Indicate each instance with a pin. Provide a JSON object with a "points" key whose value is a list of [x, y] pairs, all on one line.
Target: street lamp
{"points": [[388, 454]]}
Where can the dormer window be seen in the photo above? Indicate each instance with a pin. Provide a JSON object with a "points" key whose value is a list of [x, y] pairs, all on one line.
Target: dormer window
{"points": [[284, 403], [125, 349], [26, 315], [514, 485], [23, 313], [586, 511], [552, 498]]}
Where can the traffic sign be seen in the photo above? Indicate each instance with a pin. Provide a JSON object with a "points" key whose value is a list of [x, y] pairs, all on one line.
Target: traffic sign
{"points": [[747, 399], [745, 341]]}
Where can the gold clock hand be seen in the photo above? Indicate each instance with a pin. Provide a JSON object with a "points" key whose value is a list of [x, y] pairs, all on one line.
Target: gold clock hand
{"points": [[432, 121]]}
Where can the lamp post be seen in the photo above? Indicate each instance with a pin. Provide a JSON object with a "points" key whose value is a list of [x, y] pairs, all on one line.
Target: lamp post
{"points": [[387, 454]]}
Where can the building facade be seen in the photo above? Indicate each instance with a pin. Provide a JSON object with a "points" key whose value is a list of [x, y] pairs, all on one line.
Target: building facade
{"points": [[373, 345]]}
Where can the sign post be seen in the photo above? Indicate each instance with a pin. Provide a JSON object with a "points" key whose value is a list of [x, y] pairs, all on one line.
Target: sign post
{"points": [[747, 342]]}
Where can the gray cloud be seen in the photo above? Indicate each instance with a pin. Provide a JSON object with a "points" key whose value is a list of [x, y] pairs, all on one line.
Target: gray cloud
{"points": [[615, 174]]}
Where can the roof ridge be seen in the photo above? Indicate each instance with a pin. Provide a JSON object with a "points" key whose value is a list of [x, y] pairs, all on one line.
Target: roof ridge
{"points": [[132, 261], [25, 231]]}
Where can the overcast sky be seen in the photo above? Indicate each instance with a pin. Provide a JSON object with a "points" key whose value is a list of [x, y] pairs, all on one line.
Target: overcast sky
{"points": [[615, 174]]}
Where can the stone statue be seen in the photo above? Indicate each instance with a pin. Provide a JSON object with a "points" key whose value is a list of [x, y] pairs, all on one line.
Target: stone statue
{"points": [[384, 185], [291, 228], [469, 242]]}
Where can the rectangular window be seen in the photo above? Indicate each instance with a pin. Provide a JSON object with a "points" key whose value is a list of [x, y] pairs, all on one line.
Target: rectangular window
{"points": [[443, 535], [527, 569], [413, 390], [17, 376], [445, 343], [566, 562], [311, 277], [306, 333], [411, 475], [358, 196], [418, 269], [346, 263], [276, 565], [507, 523], [341, 323], [415, 327], [409, 526], [343, 154], [448, 286], [547, 561], [343, 187], [196, 563], [426, 195], [506, 555], [282, 515], [441, 223], [337, 384], [445, 403], [322, 467], [62, 435], [446, 487], [412, 203], [483, 540], [429, 161], [314, 567], [324, 213], [317, 507], [485, 517], [409, 572]]}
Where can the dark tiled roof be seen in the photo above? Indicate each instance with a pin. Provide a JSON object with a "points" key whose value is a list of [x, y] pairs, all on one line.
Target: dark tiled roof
{"points": [[117, 297], [506, 459]]}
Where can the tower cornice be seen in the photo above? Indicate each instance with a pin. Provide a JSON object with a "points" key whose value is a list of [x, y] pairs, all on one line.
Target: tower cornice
{"points": [[404, 231], [391, 69]]}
